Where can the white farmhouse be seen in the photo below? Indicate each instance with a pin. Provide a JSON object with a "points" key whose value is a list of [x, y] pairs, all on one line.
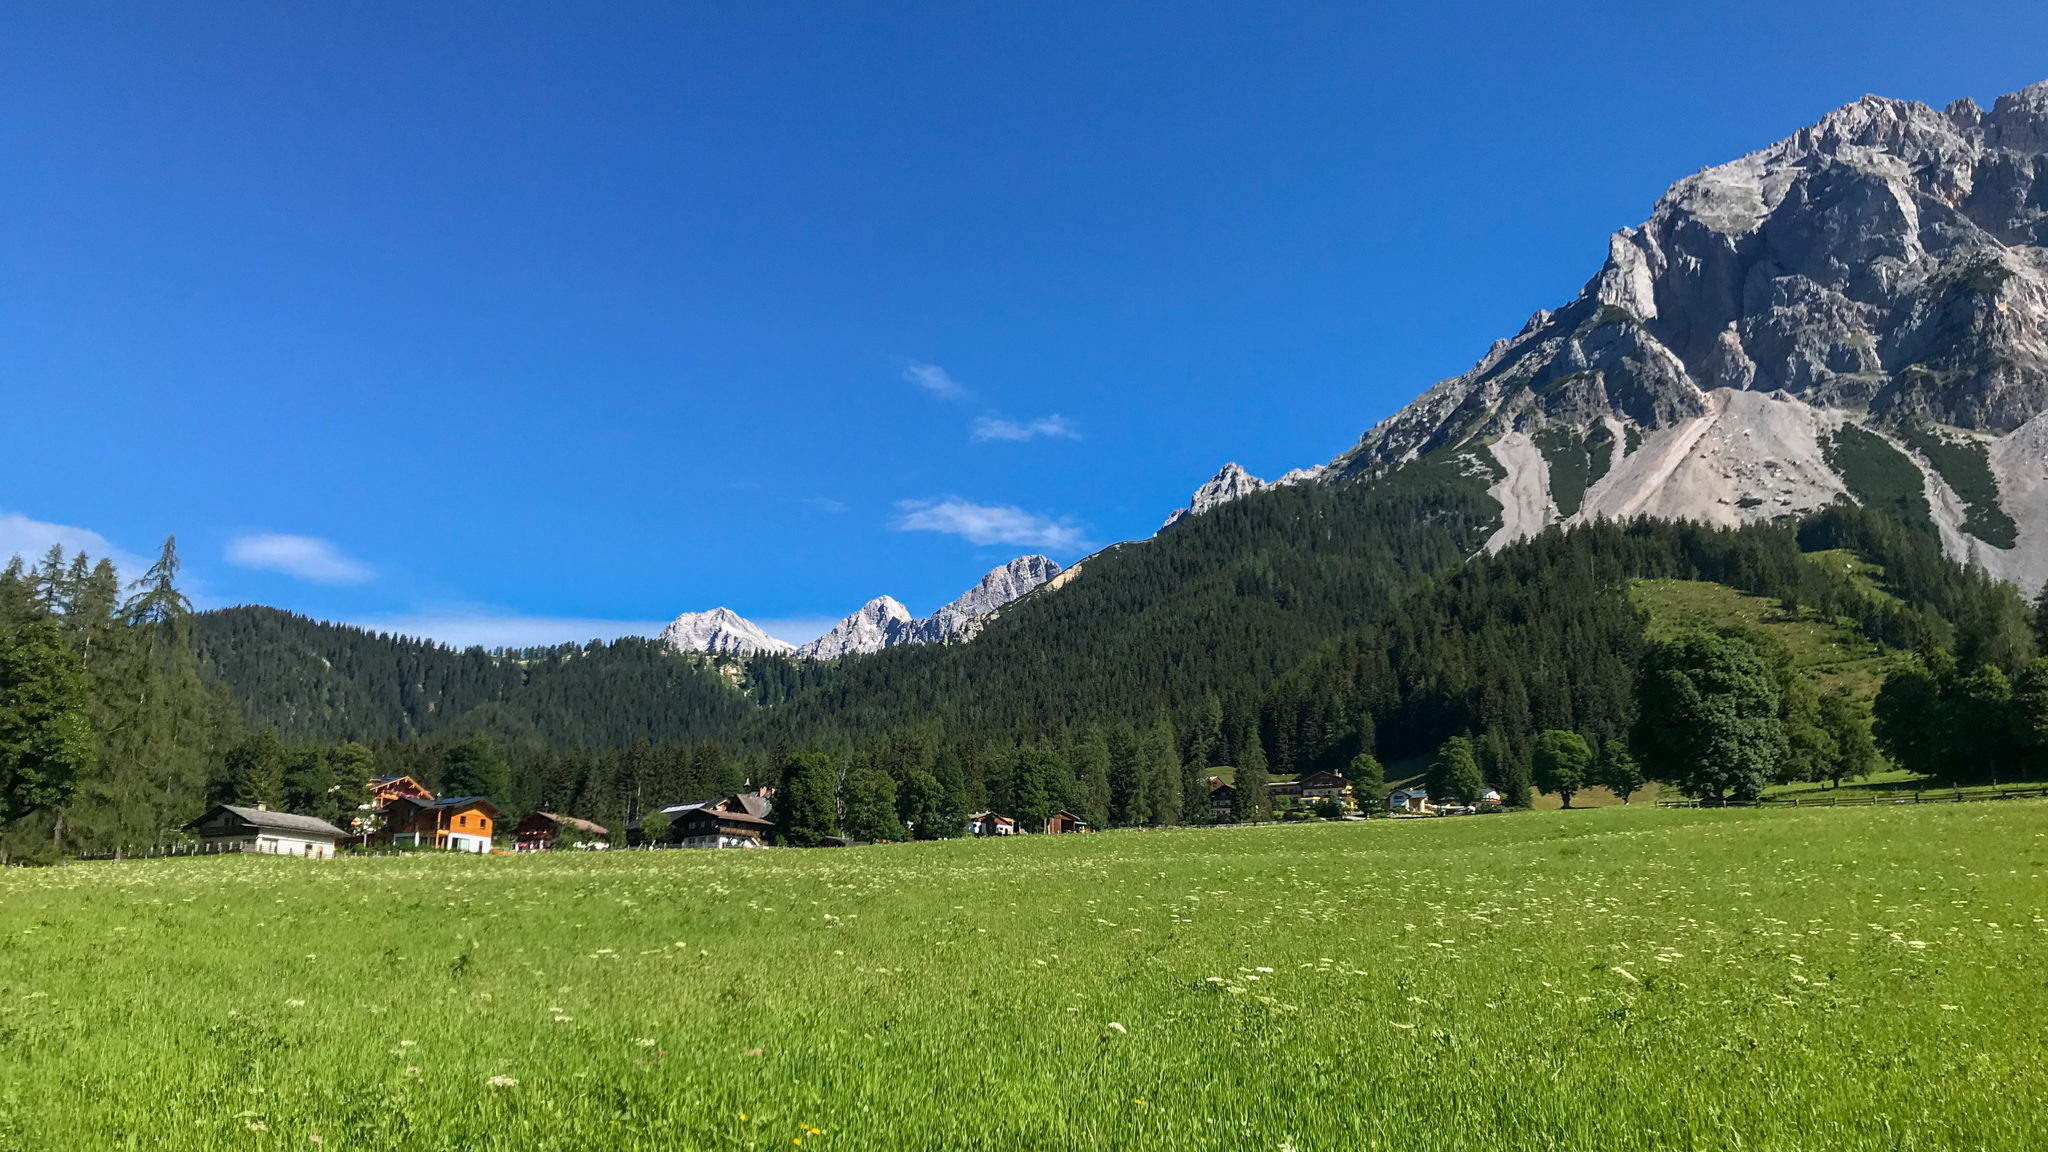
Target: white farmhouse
{"points": [[232, 828]]}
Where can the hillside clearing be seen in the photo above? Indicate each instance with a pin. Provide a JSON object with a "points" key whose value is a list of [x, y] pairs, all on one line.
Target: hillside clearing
{"points": [[1829, 652]]}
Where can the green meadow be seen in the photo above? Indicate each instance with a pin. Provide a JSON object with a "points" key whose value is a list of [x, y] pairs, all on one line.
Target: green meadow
{"points": [[1607, 979]]}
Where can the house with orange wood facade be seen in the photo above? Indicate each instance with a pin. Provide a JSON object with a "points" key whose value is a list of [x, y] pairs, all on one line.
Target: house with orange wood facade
{"points": [[458, 823]]}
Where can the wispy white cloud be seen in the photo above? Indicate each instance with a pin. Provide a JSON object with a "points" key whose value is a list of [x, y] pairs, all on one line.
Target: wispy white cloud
{"points": [[30, 539], [304, 557], [987, 524], [463, 629], [1053, 427], [934, 380]]}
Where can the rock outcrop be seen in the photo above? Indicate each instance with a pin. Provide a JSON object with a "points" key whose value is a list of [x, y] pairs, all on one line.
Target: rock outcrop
{"points": [[962, 619], [1886, 268], [881, 623], [721, 631]]}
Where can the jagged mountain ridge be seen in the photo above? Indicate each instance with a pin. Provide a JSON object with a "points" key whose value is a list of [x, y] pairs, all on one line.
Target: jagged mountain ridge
{"points": [[721, 631], [1865, 300], [880, 623]]}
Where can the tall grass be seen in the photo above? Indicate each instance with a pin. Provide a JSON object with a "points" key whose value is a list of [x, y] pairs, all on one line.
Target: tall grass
{"points": [[1613, 979]]}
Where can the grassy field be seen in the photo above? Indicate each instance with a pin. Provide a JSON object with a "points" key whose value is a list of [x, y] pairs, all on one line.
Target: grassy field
{"points": [[1610, 979]]}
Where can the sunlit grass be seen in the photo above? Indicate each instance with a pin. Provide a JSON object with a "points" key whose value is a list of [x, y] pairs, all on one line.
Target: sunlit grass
{"points": [[1611, 979]]}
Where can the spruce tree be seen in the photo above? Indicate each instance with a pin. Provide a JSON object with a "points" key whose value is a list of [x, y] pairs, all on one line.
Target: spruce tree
{"points": [[1163, 752], [953, 809], [46, 736], [1090, 760], [1249, 783], [474, 768]]}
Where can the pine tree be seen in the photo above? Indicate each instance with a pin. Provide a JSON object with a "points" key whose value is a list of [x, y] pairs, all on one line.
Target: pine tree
{"points": [[1163, 754], [46, 736], [256, 770], [1249, 783], [1130, 784], [474, 768], [1093, 795]]}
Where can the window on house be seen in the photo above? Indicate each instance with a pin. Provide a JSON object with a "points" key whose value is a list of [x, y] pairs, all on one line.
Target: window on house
{"points": [[462, 821]]}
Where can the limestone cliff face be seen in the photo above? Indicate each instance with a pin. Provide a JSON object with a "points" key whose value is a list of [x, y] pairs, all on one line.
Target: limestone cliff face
{"points": [[721, 631], [1886, 268], [880, 623], [962, 619]]}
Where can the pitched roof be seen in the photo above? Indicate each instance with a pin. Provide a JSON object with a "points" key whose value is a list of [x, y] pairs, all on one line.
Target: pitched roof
{"points": [[576, 823], [264, 818], [723, 816], [448, 802]]}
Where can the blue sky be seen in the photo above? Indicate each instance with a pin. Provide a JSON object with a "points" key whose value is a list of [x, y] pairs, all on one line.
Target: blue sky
{"points": [[520, 323]]}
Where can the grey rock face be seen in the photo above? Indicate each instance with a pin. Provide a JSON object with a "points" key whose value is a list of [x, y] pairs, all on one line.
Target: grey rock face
{"points": [[961, 618], [1229, 483], [1891, 260], [880, 623], [1887, 266], [885, 623], [721, 631]]}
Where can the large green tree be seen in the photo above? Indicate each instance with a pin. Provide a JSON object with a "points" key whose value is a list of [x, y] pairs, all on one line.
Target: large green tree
{"points": [[1852, 750], [1708, 716], [1454, 773], [46, 736], [1562, 762], [869, 805], [1253, 802], [474, 768], [807, 806]]}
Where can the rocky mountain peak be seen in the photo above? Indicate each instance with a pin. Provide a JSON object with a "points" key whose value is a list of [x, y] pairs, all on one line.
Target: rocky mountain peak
{"points": [[880, 623], [1885, 268], [962, 617], [721, 631]]}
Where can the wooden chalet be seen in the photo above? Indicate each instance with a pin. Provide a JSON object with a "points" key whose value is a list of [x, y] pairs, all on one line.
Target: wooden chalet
{"points": [[458, 823], [385, 789], [1063, 822], [716, 826], [1319, 785], [990, 824], [1222, 800], [541, 831], [233, 828]]}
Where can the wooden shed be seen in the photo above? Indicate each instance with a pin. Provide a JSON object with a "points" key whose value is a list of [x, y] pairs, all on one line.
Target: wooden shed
{"points": [[1064, 821]]}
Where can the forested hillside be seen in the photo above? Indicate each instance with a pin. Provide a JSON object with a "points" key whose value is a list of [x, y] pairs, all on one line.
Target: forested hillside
{"points": [[318, 681], [1542, 636], [1220, 604]]}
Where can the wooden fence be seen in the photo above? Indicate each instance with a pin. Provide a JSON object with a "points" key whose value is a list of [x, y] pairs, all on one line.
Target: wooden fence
{"points": [[1867, 799]]}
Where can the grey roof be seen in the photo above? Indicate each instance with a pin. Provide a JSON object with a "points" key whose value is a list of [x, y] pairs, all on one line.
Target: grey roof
{"points": [[264, 818], [446, 802]]}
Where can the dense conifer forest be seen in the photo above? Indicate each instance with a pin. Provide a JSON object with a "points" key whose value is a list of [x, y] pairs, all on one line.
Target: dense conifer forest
{"points": [[1295, 630]]}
